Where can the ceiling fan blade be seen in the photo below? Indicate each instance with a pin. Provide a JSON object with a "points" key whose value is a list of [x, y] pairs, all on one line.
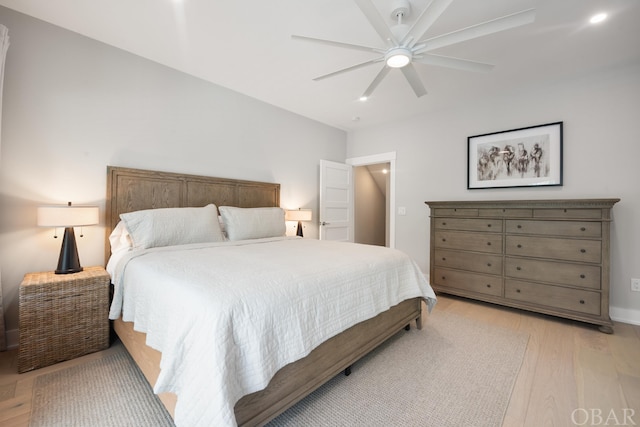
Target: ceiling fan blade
{"points": [[457, 63], [353, 67], [479, 30], [376, 21], [381, 75], [430, 14], [339, 44], [413, 78]]}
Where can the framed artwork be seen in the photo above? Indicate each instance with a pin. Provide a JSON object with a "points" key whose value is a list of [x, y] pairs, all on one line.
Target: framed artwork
{"points": [[524, 157]]}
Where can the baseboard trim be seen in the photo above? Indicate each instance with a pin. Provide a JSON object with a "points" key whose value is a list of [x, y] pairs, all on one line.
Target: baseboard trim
{"points": [[625, 315]]}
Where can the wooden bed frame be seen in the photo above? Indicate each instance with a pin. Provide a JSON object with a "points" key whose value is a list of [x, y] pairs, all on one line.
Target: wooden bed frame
{"points": [[134, 189]]}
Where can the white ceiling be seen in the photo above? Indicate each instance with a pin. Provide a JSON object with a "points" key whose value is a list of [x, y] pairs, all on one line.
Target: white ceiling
{"points": [[246, 46]]}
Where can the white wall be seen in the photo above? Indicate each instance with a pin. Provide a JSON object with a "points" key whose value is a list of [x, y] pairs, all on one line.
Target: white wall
{"points": [[72, 106], [601, 115]]}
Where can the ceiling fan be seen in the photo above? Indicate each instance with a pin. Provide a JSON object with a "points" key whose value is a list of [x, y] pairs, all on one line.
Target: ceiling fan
{"points": [[406, 45]]}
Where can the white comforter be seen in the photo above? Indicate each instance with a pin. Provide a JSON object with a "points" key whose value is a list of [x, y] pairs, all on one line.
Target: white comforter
{"points": [[227, 316]]}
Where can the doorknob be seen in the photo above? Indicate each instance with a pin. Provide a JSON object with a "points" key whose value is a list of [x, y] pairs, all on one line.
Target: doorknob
{"points": [[324, 223]]}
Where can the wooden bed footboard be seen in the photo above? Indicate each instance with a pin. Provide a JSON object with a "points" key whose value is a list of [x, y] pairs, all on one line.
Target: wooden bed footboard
{"points": [[298, 379]]}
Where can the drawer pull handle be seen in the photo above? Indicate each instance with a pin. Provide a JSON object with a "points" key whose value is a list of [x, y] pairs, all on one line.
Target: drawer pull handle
{"points": [[444, 223], [444, 278], [489, 225], [518, 290], [444, 240], [518, 268], [444, 258], [583, 250], [488, 264], [519, 246], [519, 226], [581, 301], [488, 243], [583, 229], [488, 285], [582, 276]]}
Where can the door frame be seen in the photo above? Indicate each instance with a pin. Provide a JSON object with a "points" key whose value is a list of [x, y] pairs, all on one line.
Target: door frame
{"points": [[390, 158]]}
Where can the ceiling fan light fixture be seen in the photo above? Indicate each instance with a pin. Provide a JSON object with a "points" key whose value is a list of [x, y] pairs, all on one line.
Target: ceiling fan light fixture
{"points": [[398, 57], [404, 43]]}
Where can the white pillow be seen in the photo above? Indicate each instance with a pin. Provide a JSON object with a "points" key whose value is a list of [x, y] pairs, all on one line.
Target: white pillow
{"points": [[120, 239], [222, 226], [173, 226], [253, 223]]}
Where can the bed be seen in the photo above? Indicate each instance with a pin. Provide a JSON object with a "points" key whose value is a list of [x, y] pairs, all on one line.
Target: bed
{"points": [[258, 384]]}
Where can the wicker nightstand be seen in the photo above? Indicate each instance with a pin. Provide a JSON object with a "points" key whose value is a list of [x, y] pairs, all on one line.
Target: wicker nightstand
{"points": [[62, 316]]}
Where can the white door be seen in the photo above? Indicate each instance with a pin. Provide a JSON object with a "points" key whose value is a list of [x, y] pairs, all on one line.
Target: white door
{"points": [[336, 201]]}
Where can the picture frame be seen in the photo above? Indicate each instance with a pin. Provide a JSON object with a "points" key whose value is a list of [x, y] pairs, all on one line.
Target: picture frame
{"points": [[524, 157]]}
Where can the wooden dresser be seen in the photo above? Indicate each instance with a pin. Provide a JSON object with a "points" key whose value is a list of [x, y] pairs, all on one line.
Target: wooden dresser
{"points": [[547, 256]]}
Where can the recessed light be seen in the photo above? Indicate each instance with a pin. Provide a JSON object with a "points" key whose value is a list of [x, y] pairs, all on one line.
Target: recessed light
{"points": [[597, 18], [363, 98]]}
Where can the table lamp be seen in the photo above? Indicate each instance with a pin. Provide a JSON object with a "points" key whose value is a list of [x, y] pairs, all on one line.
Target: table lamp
{"points": [[68, 217], [298, 215]]}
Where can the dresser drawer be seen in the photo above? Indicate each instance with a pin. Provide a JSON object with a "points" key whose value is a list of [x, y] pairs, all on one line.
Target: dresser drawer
{"points": [[469, 224], [553, 248], [506, 212], [586, 276], [454, 212], [479, 283], [470, 261], [478, 242], [582, 301], [568, 213], [555, 228]]}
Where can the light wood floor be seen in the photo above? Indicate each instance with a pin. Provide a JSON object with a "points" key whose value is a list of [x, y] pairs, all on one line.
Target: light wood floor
{"points": [[569, 367]]}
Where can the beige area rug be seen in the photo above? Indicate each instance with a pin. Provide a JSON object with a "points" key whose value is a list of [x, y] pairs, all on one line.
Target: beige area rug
{"points": [[108, 392], [455, 372]]}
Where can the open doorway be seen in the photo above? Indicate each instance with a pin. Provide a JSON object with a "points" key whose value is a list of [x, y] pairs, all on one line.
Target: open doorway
{"points": [[371, 204], [374, 166]]}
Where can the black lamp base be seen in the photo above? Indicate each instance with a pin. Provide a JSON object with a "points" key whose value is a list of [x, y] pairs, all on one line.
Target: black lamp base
{"points": [[68, 262], [299, 231]]}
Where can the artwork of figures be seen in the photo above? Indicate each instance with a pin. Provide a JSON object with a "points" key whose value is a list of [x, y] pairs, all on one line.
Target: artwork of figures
{"points": [[521, 157]]}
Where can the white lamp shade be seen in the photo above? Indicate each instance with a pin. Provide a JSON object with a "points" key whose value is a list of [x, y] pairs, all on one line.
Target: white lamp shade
{"points": [[67, 216], [298, 215]]}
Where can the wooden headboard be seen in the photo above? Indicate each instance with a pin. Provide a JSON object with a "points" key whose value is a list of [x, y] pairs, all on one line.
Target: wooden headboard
{"points": [[131, 190]]}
